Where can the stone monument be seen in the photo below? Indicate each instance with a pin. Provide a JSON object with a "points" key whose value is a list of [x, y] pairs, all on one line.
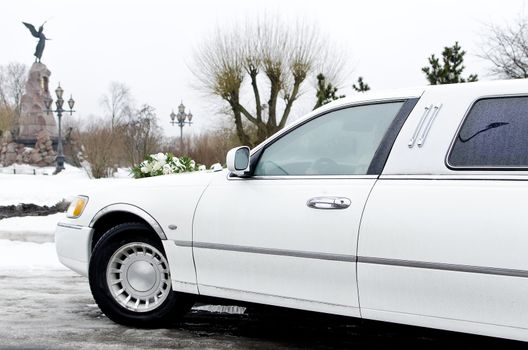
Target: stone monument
{"points": [[36, 130], [33, 118]]}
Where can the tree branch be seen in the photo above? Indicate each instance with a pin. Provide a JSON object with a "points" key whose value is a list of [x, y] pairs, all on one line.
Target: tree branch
{"points": [[289, 101], [247, 114], [253, 72]]}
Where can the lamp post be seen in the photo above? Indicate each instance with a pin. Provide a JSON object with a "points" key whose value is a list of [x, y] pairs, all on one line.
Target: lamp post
{"points": [[180, 120], [59, 103]]}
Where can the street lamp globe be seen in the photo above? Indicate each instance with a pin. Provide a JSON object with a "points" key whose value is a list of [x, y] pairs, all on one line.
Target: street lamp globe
{"points": [[71, 102], [181, 118], [47, 103], [59, 91], [181, 108], [59, 103]]}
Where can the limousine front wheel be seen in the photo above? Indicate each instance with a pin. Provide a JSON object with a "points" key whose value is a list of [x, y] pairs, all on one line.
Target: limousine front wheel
{"points": [[130, 278]]}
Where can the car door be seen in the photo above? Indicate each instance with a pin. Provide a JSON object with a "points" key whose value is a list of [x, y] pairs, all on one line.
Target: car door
{"points": [[449, 250], [287, 234]]}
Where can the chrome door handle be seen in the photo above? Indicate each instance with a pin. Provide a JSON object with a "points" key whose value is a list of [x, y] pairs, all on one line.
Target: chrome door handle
{"points": [[328, 203]]}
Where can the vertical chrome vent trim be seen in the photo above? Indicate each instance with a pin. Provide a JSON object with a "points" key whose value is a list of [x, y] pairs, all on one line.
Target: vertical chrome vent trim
{"points": [[421, 140], [420, 125]]}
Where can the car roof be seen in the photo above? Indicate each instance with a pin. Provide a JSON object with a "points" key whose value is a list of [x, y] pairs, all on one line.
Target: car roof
{"points": [[415, 92], [370, 96]]}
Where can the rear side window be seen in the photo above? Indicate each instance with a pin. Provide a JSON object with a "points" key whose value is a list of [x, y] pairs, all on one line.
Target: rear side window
{"points": [[493, 135]]}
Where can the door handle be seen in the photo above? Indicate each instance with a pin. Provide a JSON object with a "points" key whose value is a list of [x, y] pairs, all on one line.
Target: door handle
{"points": [[328, 203]]}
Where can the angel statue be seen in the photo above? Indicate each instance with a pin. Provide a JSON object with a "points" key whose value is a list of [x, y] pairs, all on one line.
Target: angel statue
{"points": [[42, 39]]}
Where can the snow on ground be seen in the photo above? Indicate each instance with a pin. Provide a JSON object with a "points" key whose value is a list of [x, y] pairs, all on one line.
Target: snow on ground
{"points": [[43, 188], [16, 255], [25, 242], [30, 228]]}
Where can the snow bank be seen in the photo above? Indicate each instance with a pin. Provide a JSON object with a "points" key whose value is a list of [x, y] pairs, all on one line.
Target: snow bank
{"points": [[45, 189], [16, 255], [37, 229]]}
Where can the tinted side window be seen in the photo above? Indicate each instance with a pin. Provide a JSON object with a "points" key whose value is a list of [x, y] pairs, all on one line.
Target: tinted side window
{"points": [[493, 135], [341, 142]]}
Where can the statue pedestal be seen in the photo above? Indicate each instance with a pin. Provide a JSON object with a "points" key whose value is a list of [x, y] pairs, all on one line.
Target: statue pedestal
{"points": [[33, 119]]}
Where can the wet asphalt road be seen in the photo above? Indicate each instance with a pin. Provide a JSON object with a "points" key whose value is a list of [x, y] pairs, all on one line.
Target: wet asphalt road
{"points": [[53, 309]]}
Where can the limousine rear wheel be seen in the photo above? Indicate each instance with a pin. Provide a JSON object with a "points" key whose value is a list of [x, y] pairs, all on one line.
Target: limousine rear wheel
{"points": [[130, 278]]}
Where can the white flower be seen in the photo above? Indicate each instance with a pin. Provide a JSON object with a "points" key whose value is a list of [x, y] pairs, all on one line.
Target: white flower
{"points": [[162, 164], [157, 166], [146, 167], [160, 157], [167, 169]]}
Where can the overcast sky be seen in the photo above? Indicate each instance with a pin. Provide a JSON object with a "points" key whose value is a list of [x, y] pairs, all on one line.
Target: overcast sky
{"points": [[148, 44]]}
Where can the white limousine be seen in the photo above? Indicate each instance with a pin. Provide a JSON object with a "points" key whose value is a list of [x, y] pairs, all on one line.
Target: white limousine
{"points": [[407, 206]]}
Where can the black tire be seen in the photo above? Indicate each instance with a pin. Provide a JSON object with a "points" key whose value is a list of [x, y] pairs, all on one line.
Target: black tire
{"points": [[173, 307]]}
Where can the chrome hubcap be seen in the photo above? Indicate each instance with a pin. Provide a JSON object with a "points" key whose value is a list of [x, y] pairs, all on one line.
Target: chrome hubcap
{"points": [[141, 276], [138, 277]]}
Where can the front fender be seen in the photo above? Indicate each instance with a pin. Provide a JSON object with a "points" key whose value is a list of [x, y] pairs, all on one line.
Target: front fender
{"points": [[132, 209]]}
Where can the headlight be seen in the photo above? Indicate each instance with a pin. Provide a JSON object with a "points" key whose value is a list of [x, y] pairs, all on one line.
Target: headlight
{"points": [[76, 207]]}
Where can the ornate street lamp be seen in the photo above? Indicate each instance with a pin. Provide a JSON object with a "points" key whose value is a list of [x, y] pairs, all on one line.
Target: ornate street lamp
{"points": [[59, 103], [181, 120]]}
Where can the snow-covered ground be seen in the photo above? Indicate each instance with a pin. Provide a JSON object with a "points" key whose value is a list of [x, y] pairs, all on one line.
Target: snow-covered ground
{"points": [[37, 229], [26, 242], [44, 188], [16, 255]]}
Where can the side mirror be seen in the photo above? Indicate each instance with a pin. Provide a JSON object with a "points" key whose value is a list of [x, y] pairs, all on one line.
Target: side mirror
{"points": [[238, 160]]}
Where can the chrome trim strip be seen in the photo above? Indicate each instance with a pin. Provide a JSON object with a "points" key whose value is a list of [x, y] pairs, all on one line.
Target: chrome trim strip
{"points": [[186, 244], [130, 208], [276, 296], [439, 318], [73, 226], [443, 266], [360, 259], [457, 177], [268, 251], [186, 283], [313, 177]]}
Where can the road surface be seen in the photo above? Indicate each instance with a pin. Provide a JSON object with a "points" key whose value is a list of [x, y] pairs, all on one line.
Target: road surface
{"points": [[52, 308]]}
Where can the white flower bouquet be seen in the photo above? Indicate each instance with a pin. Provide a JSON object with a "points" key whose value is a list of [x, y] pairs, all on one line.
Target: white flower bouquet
{"points": [[164, 164]]}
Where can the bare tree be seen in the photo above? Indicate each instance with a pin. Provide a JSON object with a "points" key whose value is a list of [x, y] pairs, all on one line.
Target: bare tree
{"points": [[99, 145], [141, 134], [117, 103], [506, 48], [6, 119], [206, 148], [13, 77], [258, 70]]}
